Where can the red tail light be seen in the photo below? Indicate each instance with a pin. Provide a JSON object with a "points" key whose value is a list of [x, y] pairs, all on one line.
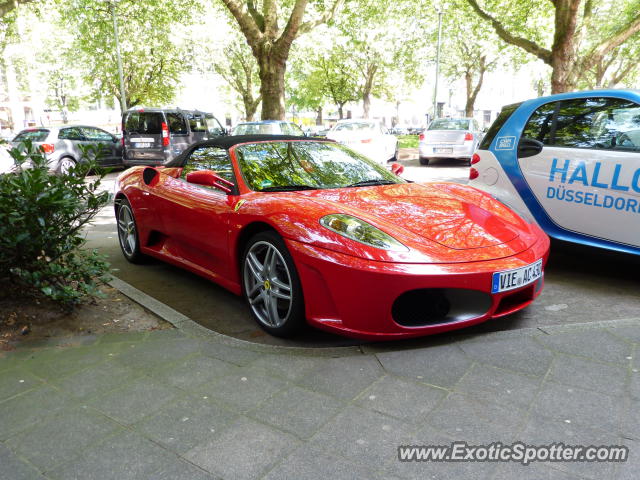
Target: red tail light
{"points": [[165, 135], [473, 173], [47, 147], [475, 159], [122, 140], [468, 137], [366, 140], [421, 137]]}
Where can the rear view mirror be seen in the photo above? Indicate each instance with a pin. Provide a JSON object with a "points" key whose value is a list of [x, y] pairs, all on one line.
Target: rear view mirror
{"points": [[209, 178], [528, 147], [397, 169]]}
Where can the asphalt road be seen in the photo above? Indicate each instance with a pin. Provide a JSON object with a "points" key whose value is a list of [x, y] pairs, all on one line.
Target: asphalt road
{"points": [[582, 285]]}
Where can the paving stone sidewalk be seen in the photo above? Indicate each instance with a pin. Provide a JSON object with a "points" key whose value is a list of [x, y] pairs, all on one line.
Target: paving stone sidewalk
{"points": [[166, 405]]}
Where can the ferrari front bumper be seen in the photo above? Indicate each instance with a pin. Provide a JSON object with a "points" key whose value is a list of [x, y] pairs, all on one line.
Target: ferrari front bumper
{"points": [[359, 298]]}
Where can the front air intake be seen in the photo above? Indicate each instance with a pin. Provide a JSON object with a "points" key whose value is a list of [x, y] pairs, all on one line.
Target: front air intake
{"points": [[434, 306]]}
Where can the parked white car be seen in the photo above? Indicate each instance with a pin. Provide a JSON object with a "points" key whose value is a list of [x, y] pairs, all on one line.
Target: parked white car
{"points": [[368, 137], [6, 161]]}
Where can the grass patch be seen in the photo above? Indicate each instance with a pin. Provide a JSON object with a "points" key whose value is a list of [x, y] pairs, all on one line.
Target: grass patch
{"points": [[408, 141]]}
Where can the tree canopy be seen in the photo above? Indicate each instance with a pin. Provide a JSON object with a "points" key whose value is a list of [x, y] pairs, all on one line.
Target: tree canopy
{"points": [[571, 37], [270, 39]]}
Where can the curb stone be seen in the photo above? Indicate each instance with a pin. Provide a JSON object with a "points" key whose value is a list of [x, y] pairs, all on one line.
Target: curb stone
{"points": [[194, 329]]}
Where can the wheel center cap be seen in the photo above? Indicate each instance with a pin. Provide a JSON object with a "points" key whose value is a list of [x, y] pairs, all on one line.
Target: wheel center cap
{"points": [[267, 285]]}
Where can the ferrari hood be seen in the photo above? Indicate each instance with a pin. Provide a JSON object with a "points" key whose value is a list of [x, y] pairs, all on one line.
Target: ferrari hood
{"points": [[453, 216]]}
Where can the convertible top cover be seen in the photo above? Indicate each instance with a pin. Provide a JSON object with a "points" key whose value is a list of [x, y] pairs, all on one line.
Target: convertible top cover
{"points": [[227, 142]]}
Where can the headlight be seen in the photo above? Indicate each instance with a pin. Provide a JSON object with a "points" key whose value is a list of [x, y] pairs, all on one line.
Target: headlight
{"points": [[361, 231]]}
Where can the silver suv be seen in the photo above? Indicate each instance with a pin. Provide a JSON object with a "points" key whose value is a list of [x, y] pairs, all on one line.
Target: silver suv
{"points": [[153, 136], [62, 145]]}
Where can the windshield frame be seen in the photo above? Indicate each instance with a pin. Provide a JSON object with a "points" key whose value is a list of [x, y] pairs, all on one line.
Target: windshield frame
{"points": [[236, 155]]}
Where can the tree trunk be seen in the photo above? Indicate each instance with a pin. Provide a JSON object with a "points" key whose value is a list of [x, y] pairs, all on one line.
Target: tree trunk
{"points": [[366, 104], [250, 107], [472, 91], [272, 70], [563, 51], [340, 111], [366, 89], [319, 116], [468, 107]]}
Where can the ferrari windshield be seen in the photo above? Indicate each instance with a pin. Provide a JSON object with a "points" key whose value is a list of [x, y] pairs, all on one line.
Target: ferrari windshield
{"points": [[273, 166]]}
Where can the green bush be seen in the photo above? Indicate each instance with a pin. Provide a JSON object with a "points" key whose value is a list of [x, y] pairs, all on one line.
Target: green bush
{"points": [[41, 221]]}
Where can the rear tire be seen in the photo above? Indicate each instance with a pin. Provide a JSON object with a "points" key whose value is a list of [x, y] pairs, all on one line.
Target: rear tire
{"points": [[424, 161], [271, 286], [65, 164]]}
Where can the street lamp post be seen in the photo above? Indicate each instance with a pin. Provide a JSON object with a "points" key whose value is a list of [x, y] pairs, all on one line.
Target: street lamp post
{"points": [[123, 100], [435, 88]]}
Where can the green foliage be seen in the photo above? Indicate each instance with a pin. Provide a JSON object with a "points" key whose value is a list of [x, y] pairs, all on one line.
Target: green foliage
{"points": [[41, 222], [151, 47], [317, 77], [408, 141], [386, 42]]}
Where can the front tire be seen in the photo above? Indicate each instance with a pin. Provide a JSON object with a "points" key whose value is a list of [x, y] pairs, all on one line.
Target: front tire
{"points": [[271, 285], [128, 233], [424, 161]]}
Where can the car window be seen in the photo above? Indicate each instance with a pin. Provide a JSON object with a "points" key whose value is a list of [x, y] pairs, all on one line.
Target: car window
{"points": [[177, 124], [33, 135], [209, 158], [497, 124], [354, 126], [213, 125], [315, 164], [247, 129], [96, 135], [146, 123], [539, 125], [449, 124], [72, 133], [197, 123], [291, 129], [596, 122], [609, 123]]}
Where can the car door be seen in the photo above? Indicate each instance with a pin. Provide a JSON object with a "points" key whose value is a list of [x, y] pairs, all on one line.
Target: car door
{"points": [[70, 139], [178, 132], [586, 176], [196, 217], [104, 141]]}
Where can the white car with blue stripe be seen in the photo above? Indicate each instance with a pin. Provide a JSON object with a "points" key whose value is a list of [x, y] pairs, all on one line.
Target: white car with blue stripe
{"points": [[571, 162]]}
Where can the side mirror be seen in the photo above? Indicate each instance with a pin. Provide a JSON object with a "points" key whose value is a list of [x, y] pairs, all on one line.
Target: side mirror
{"points": [[209, 178], [528, 147], [397, 169]]}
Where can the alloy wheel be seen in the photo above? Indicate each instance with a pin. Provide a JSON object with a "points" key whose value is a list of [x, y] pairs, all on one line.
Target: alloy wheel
{"points": [[66, 164], [268, 284], [127, 230]]}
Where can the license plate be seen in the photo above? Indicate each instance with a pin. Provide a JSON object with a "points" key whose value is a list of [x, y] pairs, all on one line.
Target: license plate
{"points": [[443, 150], [142, 145], [516, 278]]}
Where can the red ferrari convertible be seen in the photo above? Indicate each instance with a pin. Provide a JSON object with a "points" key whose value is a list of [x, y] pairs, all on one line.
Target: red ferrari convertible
{"points": [[308, 230]]}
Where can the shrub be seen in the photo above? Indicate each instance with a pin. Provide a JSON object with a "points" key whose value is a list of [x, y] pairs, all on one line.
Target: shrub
{"points": [[41, 221]]}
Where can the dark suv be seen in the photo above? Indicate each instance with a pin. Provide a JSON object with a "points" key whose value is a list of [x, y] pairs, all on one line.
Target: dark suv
{"points": [[154, 136]]}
